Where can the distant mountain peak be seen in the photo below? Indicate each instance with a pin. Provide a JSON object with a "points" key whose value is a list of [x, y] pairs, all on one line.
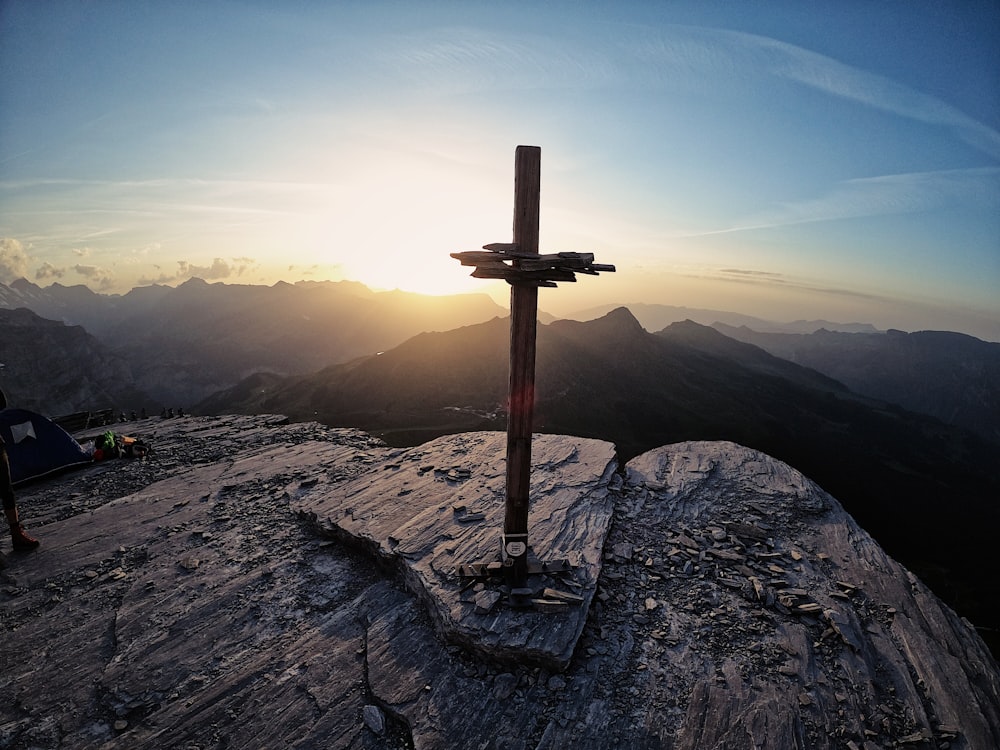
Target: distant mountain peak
{"points": [[609, 331], [23, 285], [193, 282], [691, 326], [623, 316], [810, 326]]}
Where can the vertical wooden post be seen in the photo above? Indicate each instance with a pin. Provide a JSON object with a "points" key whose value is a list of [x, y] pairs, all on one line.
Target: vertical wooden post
{"points": [[525, 269], [523, 323]]}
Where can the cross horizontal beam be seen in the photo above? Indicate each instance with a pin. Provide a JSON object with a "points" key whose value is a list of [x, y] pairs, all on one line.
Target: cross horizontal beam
{"points": [[506, 261]]}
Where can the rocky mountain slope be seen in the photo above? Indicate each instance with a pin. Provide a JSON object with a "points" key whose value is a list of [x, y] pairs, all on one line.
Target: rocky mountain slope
{"points": [[259, 584], [947, 375], [56, 369]]}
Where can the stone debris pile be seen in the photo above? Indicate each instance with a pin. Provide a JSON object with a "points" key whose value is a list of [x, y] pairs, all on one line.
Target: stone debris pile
{"points": [[735, 570]]}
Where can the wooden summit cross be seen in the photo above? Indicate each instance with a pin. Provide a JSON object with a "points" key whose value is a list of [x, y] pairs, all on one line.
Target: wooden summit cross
{"points": [[521, 266]]}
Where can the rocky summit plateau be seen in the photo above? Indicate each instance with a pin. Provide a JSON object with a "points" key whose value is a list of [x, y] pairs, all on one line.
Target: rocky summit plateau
{"points": [[254, 583]]}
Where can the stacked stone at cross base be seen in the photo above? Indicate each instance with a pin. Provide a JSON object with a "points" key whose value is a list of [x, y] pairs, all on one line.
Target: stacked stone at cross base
{"points": [[259, 584]]}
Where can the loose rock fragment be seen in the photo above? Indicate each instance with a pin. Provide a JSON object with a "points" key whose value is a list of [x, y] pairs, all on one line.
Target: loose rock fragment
{"points": [[374, 719], [486, 601], [561, 596], [504, 685]]}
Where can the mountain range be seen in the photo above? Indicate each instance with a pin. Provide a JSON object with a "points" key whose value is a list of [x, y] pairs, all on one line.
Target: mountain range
{"points": [[654, 317], [182, 344], [948, 375], [924, 488], [409, 368], [187, 342], [51, 368]]}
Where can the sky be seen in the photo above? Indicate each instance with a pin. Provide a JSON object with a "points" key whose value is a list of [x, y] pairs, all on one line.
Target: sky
{"points": [[835, 159]]}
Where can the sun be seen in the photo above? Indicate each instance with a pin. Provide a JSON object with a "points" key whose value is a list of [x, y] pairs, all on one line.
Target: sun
{"points": [[399, 224]]}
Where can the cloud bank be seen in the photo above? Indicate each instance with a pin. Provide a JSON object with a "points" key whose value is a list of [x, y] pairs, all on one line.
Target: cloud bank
{"points": [[13, 260], [219, 269]]}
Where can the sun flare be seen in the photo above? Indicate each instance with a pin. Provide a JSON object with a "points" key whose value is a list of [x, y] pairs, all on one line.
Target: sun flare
{"points": [[404, 219], [426, 274]]}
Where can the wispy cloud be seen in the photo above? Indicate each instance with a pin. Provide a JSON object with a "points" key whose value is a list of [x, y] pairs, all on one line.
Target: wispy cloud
{"points": [[835, 78], [745, 273], [785, 282], [173, 185], [78, 212], [877, 196], [883, 309], [737, 57], [49, 271], [100, 277], [462, 61]]}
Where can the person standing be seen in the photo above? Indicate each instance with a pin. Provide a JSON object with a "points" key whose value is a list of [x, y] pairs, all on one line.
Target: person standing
{"points": [[21, 540]]}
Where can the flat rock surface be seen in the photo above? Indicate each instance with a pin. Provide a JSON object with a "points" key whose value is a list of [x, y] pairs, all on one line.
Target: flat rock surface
{"points": [[437, 506], [257, 584]]}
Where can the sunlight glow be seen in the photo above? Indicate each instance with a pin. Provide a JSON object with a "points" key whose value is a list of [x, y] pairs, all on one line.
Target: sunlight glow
{"points": [[348, 142], [397, 226]]}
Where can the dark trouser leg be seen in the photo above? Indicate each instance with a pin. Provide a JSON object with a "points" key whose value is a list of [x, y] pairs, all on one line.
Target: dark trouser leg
{"points": [[6, 488], [20, 539]]}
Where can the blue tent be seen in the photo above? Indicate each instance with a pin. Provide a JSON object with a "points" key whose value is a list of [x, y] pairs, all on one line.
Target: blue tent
{"points": [[36, 446]]}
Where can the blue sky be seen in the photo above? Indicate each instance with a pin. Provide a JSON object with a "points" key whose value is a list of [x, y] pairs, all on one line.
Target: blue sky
{"points": [[784, 159]]}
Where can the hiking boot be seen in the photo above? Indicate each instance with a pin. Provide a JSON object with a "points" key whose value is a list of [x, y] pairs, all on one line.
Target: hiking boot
{"points": [[22, 542]]}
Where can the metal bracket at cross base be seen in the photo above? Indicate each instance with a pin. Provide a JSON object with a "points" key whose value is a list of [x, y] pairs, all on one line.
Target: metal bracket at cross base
{"points": [[520, 265]]}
